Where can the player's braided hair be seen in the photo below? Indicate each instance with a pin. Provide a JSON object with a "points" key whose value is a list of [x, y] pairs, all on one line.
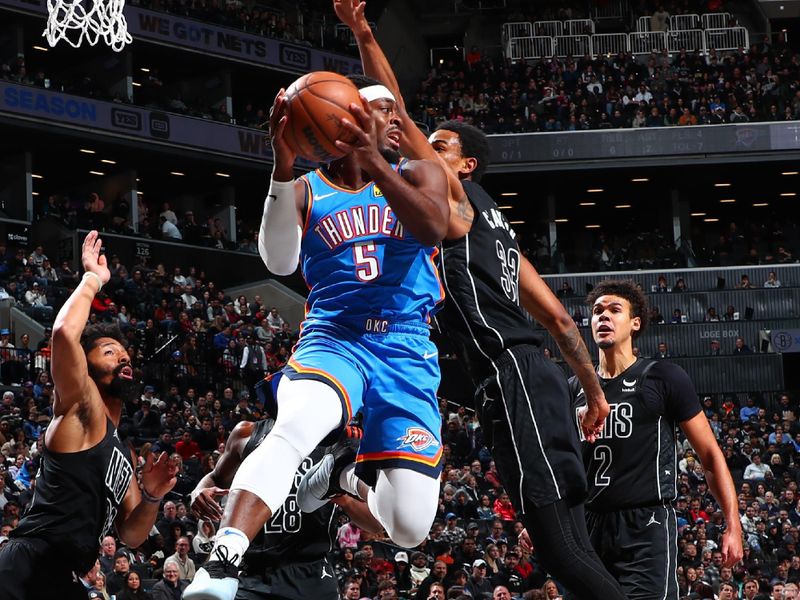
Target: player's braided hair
{"points": [[473, 145], [92, 333], [627, 289]]}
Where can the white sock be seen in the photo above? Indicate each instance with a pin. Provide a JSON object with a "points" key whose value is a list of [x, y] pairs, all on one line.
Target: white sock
{"points": [[348, 480], [234, 543]]}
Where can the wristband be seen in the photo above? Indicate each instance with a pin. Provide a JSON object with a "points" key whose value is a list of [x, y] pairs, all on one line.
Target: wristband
{"points": [[90, 275], [148, 498]]}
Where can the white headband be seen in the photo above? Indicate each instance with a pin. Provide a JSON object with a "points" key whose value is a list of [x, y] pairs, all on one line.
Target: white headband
{"points": [[376, 92]]}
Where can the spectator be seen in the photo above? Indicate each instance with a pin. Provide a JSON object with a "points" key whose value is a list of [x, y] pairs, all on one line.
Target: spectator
{"points": [[186, 569], [772, 280], [348, 536], [714, 348], [745, 284], [478, 586], [740, 347], [756, 471], [170, 587], [275, 320], [663, 351], [132, 588], [169, 231]]}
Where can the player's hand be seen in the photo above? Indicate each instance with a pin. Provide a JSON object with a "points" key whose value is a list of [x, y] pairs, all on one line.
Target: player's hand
{"points": [[204, 504], [92, 259], [732, 551], [593, 417], [364, 129], [159, 475], [525, 540], [278, 117], [351, 13]]}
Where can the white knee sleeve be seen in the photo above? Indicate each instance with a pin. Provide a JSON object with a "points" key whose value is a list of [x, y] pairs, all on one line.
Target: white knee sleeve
{"points": [[405, 503], [308, 410]]}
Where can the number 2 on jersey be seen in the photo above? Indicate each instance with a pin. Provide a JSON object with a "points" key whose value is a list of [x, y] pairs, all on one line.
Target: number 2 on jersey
{"points": [[367, 266], [603, 454]]}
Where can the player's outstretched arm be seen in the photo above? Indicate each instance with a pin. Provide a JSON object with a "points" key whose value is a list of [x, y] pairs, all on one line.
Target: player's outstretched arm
{"points": [[719, 482], [216, 483], [281, 224], [413, 143], [68, 366], [539, 300]]}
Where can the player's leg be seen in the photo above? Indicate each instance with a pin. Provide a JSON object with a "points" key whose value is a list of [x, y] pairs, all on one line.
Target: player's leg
{"points": [[525, 412], [648, 545], [398, 463], [558, 531]]}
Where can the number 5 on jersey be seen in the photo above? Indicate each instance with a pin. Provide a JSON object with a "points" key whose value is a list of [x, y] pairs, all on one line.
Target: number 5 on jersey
{"points": [[368, 267]]}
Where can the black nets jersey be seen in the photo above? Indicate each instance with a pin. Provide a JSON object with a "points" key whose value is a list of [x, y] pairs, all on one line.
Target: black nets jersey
{"points": [[634, 461], [480, 271], [77, 497], [290, 536]]}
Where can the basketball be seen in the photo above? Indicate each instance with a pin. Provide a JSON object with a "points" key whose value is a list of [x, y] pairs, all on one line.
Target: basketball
{"points": [[316, 104]]}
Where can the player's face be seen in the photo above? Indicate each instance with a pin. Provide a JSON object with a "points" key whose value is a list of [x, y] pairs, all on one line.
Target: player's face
{"points": [[447, 145], [388, 128], [612, 322], [110, 367]]}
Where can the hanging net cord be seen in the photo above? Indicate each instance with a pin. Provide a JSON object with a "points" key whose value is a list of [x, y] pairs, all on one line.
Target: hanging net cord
{"points": [[73, 22]]}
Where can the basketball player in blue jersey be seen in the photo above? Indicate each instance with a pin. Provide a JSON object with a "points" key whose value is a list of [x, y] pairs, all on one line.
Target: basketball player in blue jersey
{"points": [[363, 230], [522, 398]]}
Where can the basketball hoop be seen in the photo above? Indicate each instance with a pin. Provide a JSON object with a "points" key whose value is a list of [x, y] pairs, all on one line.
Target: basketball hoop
{"points": [[77, 20]]}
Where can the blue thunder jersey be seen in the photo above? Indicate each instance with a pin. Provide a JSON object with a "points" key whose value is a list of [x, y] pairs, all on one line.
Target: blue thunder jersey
{"points": [[358, 260]]}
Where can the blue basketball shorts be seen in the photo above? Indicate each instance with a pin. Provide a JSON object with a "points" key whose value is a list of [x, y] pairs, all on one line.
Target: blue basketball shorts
{"points": [[389, 372]]}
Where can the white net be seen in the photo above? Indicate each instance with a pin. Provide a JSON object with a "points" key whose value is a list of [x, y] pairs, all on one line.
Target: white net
{"points": [[76, 21]]}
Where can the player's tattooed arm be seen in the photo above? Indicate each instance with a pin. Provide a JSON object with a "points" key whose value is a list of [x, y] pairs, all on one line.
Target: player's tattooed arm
{"points": [[540, 301]]}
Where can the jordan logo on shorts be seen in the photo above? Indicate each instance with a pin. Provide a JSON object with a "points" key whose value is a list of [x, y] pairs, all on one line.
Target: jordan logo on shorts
{"points": [[653, 521]]}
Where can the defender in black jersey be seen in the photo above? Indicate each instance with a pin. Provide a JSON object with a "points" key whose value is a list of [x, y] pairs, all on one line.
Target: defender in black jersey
{"points": [[632, 466], [288, 558], [523, 398], [85, 484]]}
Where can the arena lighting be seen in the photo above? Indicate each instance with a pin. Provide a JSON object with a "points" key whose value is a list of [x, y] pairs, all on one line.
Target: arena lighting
{"points": [[144, 70], [136, 84], [789, 173], [722, 185], [711, 220], [178, 173], [593, 227], [87, 151], [562, 220], [108, 162], [138, 180], [594, 190], [139, 193], [41, 48], [761, 204], [222, 174], [34, 193], [96, 173], [639, 180], [35, 176], [588, 203], [622, 206], [697, 214], [516, 222], [788, 194], [504, 207], [510, 194], [727, 201]]}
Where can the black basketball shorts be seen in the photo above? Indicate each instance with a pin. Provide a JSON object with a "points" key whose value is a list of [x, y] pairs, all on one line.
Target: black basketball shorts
{"points": [[639, 547], [30, 569], [314, 579], [524, 410]]}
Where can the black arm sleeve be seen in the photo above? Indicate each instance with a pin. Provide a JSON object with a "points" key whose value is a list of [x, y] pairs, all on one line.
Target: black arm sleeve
{"points": [[671, 393]]}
